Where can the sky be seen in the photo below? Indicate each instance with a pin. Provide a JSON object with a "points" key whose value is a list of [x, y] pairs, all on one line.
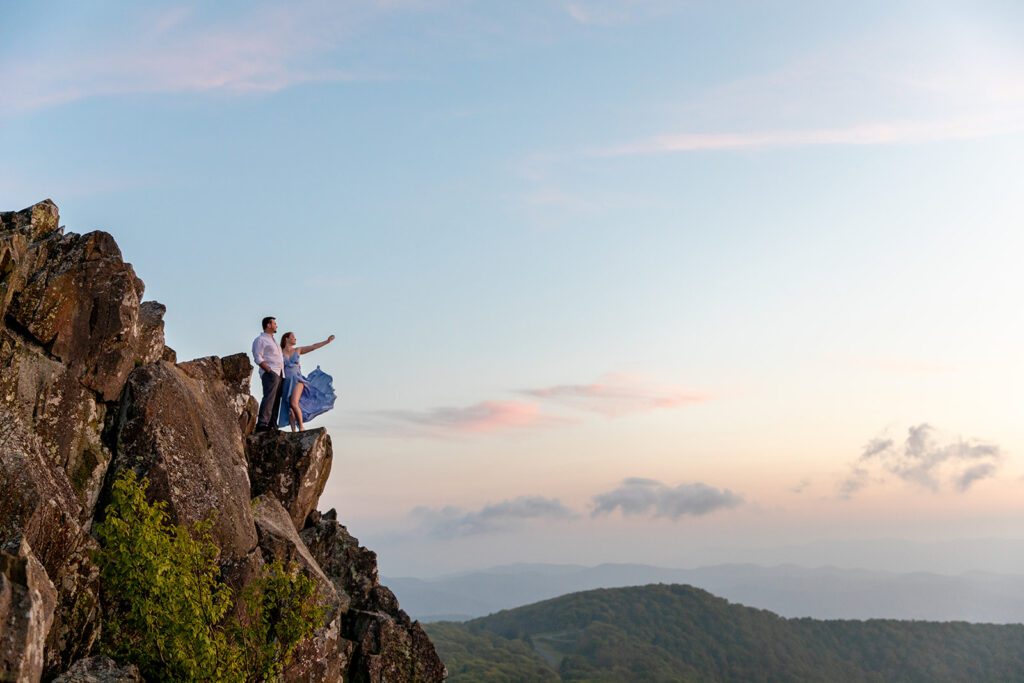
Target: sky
{"points": [[614, 281]]}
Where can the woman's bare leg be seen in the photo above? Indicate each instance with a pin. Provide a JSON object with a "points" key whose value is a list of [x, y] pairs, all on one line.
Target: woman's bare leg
{"points": [[296, 411]]}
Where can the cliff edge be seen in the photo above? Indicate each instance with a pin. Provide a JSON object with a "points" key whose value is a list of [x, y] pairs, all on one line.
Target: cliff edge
{"points": [[87, 390]]}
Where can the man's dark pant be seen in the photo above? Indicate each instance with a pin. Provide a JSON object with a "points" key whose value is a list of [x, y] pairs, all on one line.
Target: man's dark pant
{"points": [[270, 406]]}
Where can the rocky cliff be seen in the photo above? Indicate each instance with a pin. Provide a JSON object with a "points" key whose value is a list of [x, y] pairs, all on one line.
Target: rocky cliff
{"points": [[87, 390]]}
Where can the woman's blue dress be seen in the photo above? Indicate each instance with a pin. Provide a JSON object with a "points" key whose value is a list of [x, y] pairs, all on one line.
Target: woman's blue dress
{"points": [[317, 394]]}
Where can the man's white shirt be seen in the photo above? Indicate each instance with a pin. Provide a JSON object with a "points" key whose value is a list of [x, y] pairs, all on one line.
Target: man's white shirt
{"points": [[266, 350]]}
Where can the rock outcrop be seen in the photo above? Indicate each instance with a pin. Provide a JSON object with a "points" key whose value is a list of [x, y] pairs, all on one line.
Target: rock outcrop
{"points": [[87, 390], [388, 645], [295, 470]]}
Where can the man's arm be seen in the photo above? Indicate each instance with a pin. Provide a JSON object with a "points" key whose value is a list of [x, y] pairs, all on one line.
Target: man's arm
{"points": [[258, 347]]}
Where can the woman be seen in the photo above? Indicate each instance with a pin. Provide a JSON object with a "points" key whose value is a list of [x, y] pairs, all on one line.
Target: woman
{"points": [[304, 397]]}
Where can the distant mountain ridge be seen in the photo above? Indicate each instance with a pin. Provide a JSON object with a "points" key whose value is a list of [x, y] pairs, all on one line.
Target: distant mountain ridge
{"points": [[681, 633], [787, 590]]}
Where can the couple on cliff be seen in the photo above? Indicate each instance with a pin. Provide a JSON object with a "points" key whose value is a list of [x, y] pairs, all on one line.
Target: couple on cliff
{"points": [[305, 397]]}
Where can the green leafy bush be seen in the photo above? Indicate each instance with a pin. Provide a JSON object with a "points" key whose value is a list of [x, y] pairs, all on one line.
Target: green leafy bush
{"points": [[281, 610], [166, 610]]}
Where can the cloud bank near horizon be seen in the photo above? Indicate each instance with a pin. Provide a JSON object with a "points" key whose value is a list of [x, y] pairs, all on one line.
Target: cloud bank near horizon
{"points": [[452, 522], [638, 496], [635, 496]]}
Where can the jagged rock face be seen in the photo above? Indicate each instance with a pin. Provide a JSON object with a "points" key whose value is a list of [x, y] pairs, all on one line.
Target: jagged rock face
{"points": [[24, 240], [293, 467], [27, 602], [280, 541], [325, 655], [84, 309], [178, 427], [87, 389], [71, 333], [68, 337], [388, 646], [65, 418], [151, 332], [351, 567], [392, 649], [39, 508]]}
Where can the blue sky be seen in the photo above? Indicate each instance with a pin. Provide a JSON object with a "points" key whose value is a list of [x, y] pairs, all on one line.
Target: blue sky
{"points": [[657, 272]]}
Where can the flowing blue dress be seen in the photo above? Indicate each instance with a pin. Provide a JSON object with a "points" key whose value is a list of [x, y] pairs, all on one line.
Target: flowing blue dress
{"points": [[317, 394]]}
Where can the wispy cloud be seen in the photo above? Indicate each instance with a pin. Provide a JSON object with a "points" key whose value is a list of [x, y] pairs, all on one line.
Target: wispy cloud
{"points": [[614, 395], [925, 458], [481, 418], [452, 522], [638, 496], [901, 84], [882, 133], [617, 394], [265, 49]]}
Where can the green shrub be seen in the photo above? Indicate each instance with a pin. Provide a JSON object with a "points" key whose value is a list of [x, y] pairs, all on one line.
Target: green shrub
{"points": [[166, 610], [281, 609]]}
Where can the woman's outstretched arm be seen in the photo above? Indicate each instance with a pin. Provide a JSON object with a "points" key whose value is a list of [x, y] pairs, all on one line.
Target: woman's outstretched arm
{"points": [[314, 347]]}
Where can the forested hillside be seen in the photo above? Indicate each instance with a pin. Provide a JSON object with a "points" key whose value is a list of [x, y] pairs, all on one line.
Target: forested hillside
{"points": [[674, 632]]}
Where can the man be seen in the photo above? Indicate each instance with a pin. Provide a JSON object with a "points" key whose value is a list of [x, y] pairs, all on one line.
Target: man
{"points": [[268, 357]]}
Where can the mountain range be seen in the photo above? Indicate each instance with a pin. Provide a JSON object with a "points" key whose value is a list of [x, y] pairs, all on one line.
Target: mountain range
{"points": [[788, 590], [680, 633]]}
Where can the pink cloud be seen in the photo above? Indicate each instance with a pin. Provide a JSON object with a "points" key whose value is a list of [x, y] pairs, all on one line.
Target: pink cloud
{"points": [[485, 417], [616, 394], [267, 49]]}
